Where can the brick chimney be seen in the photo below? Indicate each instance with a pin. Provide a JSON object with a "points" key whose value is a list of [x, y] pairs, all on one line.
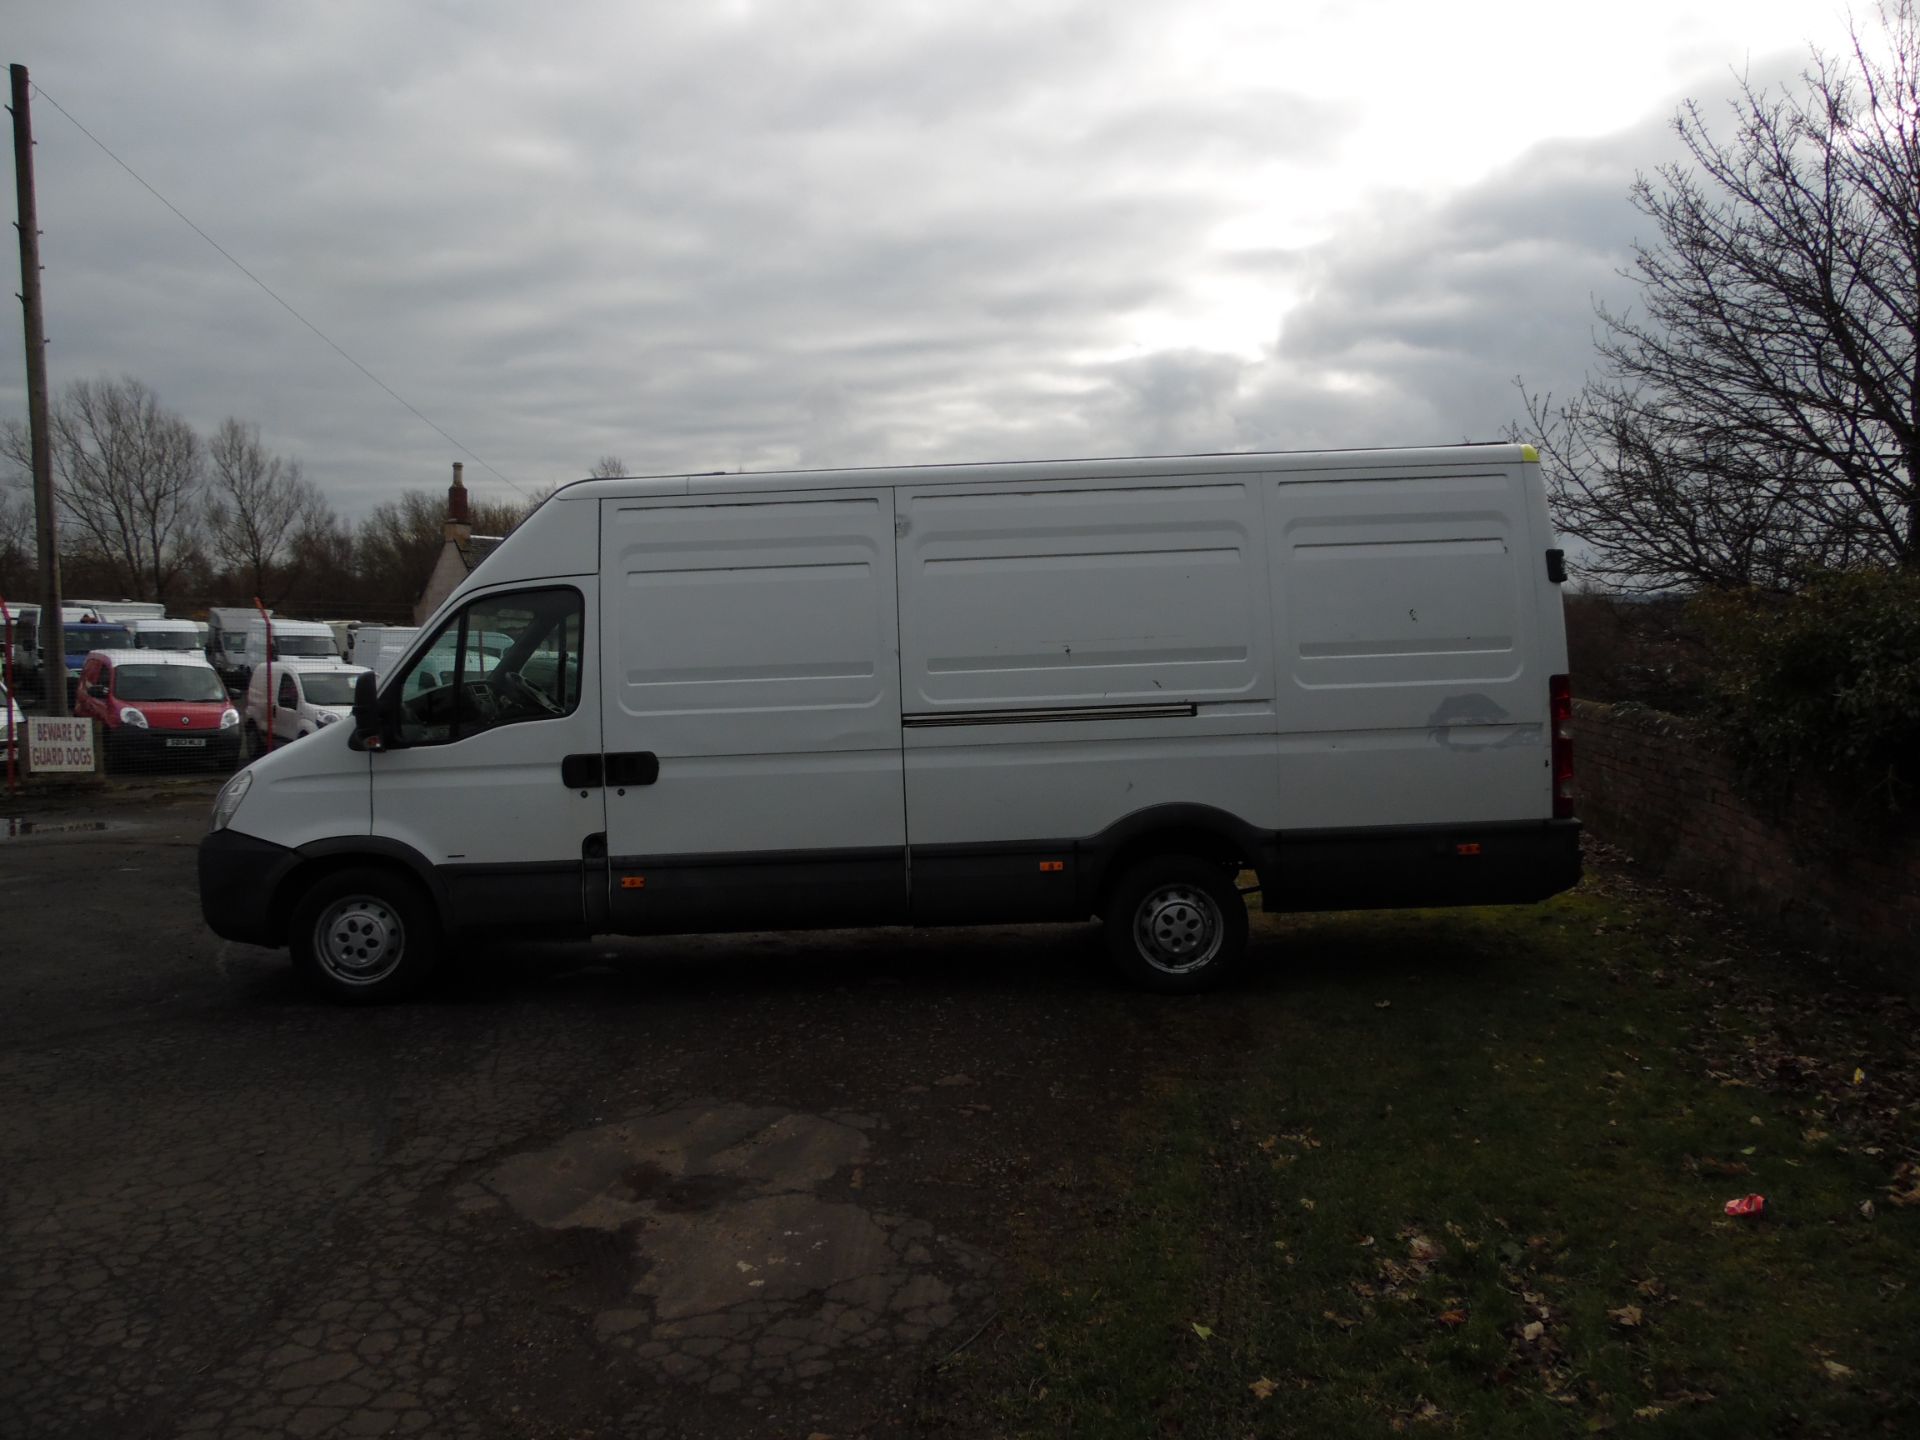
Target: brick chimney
{"points": [[458, 527]]}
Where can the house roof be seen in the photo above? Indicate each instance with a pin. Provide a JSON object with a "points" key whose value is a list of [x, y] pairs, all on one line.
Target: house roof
{"points": [[477, 548]]}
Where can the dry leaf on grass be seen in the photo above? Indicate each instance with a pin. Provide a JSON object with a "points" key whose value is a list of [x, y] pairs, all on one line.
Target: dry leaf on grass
{"points": [[1262, 1388], [1627, 1316]]}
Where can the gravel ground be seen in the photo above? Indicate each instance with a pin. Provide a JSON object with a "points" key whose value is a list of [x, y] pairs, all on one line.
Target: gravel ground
{"points": [[746, 1185]]}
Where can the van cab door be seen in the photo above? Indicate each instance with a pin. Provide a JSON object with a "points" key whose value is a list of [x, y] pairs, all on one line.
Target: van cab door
{"points": [[479, 782]]}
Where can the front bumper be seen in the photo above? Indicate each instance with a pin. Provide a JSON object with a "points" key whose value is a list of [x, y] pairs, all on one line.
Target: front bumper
{"points": [[238, 877]]}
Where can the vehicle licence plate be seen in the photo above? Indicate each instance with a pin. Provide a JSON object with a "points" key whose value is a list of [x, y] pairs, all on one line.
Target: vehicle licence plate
{"points": [[178, 744]]}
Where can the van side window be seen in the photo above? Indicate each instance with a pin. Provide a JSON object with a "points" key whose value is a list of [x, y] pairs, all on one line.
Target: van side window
{"points": [[289, 696], [499, 660]]}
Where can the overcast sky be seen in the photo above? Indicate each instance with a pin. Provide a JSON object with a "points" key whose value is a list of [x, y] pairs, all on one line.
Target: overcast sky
{"points": [[763, 233]]}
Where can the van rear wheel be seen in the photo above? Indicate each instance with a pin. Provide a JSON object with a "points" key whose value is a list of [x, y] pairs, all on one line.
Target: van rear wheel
{"points": [[1176, 924], [365, 936]]}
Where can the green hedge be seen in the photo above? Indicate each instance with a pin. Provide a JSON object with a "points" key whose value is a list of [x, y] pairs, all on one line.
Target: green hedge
{"points": [[1824, 682]]}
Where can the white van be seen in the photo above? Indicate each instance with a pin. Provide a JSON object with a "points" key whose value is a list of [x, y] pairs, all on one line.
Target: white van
{"points": [[24, 621], [378, 647], [246, 646], [163, 634], [309, 695], [945, 695], [111, 611], [227, 643], [291, 640]]}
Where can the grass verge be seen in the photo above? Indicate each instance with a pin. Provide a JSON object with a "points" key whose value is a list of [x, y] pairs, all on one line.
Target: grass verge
{"points": [[1466, 1171]]}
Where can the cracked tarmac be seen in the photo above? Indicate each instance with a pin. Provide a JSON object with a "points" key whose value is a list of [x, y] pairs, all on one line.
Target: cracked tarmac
{"points": [[746, 1185]]}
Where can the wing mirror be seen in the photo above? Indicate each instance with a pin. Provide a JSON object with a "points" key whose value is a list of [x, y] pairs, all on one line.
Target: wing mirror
{"points": [[370, 728]]}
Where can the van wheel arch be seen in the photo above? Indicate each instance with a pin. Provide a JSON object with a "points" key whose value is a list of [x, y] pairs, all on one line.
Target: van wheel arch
{"points": [[1195, 830], [294, 886]]}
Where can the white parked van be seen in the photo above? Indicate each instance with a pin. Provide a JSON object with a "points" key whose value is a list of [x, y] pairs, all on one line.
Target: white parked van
{"points": [[378, 646], [182, 636], [111, 611], [24, 623], [944, 695], [309, 695], [227, 643], [291, 640]]}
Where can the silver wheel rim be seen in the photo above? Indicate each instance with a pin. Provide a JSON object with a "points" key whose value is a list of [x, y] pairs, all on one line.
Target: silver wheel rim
{"points": [[359, 939], [1178, 929]]}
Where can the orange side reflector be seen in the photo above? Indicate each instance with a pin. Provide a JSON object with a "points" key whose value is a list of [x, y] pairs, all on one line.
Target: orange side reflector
{"points": [[1053, 866], [1471, 848], [633, 882]]}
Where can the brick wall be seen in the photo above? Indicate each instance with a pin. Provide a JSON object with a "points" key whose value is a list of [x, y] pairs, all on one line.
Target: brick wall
{"points": [[1823, 876]]}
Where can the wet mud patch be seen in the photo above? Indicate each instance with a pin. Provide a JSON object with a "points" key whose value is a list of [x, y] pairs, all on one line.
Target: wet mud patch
{"points": [[742, 1276]]}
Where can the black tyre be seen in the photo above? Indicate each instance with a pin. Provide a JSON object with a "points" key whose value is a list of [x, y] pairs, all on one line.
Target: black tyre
{"points": [[1176, 924], [365, 936]]}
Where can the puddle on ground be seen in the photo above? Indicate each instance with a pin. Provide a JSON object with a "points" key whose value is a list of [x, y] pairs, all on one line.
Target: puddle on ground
{"points": [[46, 829], [743, 1275]]}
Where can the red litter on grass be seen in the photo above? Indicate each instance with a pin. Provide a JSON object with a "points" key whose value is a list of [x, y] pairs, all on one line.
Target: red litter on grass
{"points": [[1747, 1205]]}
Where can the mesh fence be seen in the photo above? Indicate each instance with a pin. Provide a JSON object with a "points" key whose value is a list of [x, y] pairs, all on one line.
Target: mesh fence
{"points": [[147, 720]]}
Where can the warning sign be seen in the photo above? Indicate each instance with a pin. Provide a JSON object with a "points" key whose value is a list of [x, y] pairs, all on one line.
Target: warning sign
{"points": [[59, 746]]}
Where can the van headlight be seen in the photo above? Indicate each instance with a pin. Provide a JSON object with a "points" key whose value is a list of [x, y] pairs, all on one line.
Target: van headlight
{"points": [[130, 716], [229, 798], [229, 718], [326, 717]]}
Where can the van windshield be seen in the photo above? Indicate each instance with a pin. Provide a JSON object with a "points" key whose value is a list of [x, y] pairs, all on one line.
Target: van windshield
{"points": [[328, 689], [167, 682], [82, 638], [165, 640], [302, 645]]}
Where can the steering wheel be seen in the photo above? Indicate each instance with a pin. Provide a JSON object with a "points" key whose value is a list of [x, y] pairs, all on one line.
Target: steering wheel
{"points": [[521, 688]]}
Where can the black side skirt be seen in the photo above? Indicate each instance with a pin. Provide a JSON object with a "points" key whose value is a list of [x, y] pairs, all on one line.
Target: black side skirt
{"points": [[1423, 866]]}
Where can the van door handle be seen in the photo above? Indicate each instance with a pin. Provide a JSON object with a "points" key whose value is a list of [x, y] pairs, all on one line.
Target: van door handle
{"points": [[581, 772], [633, 767]]}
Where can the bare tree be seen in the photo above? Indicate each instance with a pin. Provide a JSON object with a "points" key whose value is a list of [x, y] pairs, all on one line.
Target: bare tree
{"points": [[1759, 418], [257, 505], [396, 545], [127, 475], [608, 467], [19, 569]]}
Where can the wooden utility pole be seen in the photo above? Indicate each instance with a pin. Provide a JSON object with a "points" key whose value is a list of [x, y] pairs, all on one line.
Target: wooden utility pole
{"points": [[53, 645]]}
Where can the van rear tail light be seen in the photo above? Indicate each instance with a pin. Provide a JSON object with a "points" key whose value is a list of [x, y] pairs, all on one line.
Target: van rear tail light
{"points": [[1560, 704]]}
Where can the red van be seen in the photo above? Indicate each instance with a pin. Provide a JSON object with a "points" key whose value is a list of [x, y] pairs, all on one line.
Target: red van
{"points": [[158, 708]]}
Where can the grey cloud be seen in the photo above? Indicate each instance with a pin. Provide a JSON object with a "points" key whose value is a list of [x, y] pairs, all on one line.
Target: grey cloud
{"points": [[743, 236]]}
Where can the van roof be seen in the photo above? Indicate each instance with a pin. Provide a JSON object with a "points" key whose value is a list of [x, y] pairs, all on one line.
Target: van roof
{"points": [[150, 657], [1023, 471]]}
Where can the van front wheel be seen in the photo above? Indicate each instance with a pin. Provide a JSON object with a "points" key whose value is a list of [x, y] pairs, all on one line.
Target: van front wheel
{"points": [[364, 936], [1176, 924]]}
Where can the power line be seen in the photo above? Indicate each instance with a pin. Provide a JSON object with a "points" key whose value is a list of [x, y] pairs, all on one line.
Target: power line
{"points": [[270, 291]]}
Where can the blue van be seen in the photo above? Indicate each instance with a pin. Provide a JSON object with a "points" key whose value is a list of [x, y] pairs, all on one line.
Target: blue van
{"points": [[84, 635]]}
